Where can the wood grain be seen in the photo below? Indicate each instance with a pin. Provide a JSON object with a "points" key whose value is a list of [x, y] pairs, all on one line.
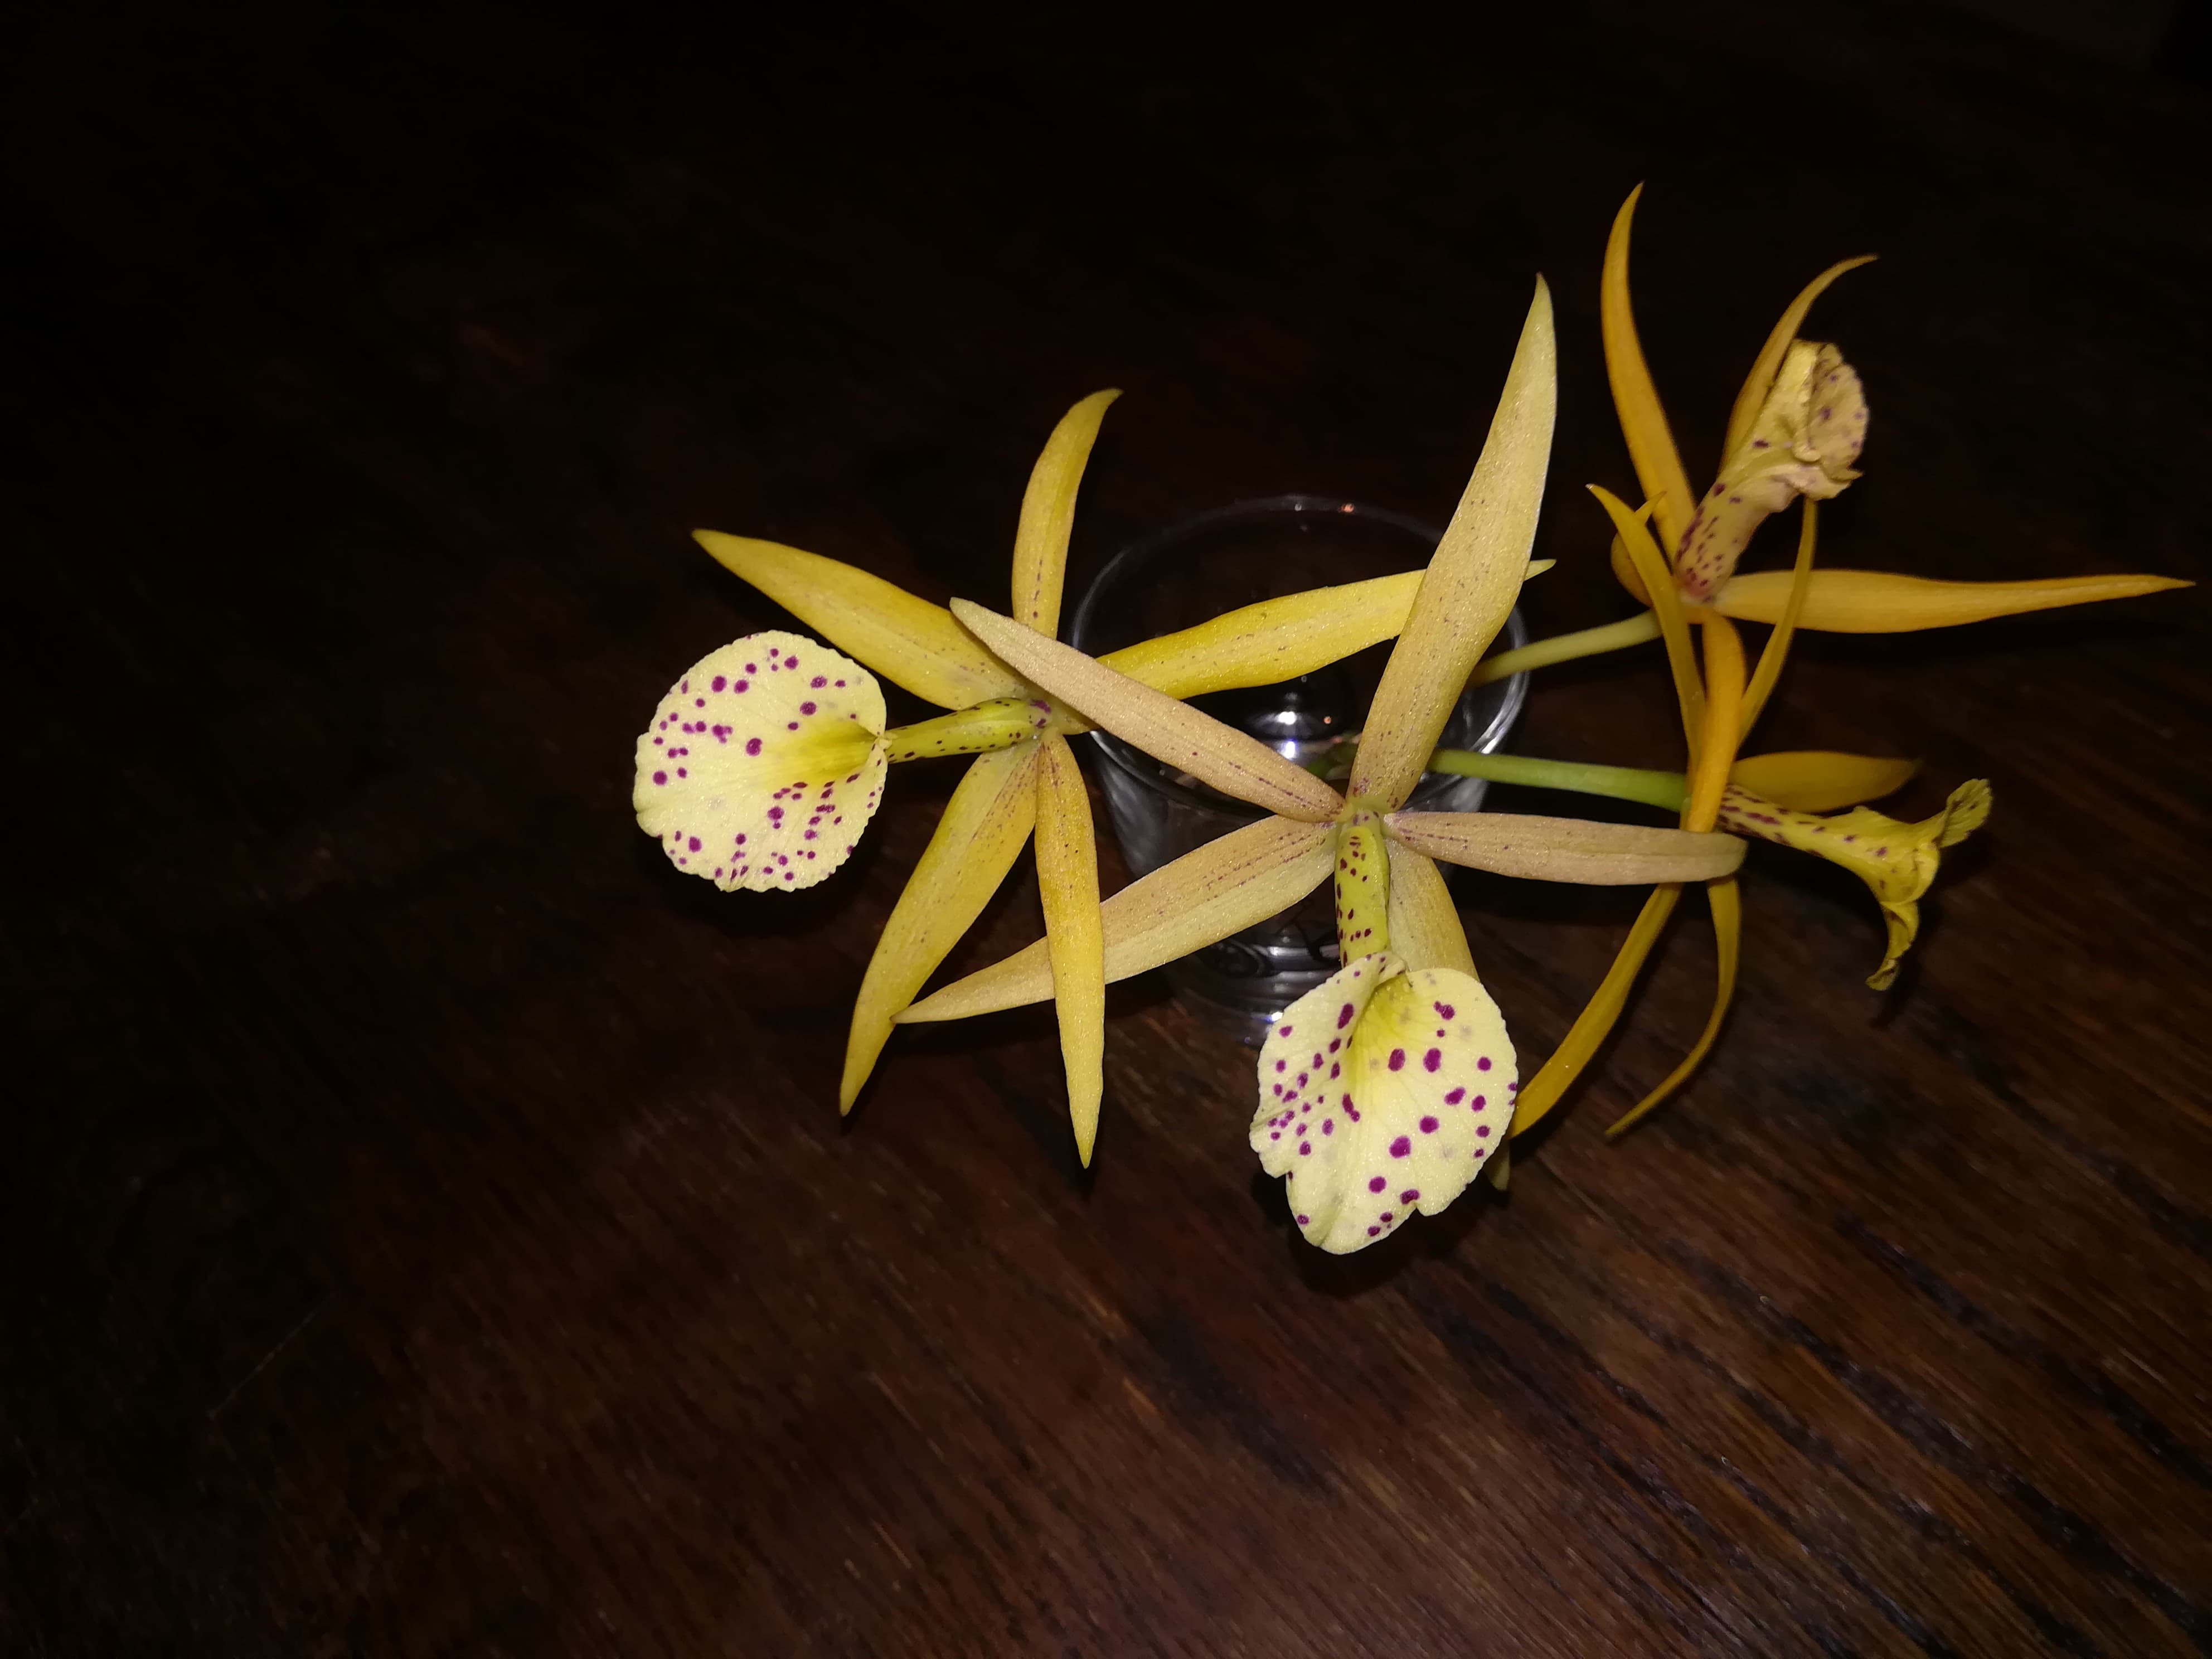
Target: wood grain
{"points": [[428, 1229]]}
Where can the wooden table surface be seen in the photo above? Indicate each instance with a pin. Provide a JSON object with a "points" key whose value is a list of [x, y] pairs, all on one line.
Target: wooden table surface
{"points": [[428, 1229]]}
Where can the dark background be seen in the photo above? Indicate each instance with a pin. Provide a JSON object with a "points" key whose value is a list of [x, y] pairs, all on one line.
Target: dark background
{"points": [[425, 1222]]}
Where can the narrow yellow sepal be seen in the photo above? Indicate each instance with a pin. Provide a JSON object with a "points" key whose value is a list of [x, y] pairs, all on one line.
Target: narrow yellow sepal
{"points": [[1274, 641], [1879, 602], [909, 642], [1643, 420], [977, 840], [1424, 924], [1723, 717], [1472, 580], [1597, 1018], [1579, 850], [1171, 732], [1673, 627], [1221, 888], [1728, 938], [1048, 512], [1777, 650], [1279, 640], [1067, 882], [1821, 779], [1757, 384]]}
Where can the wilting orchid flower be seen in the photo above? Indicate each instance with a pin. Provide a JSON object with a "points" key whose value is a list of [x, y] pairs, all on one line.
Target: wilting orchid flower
{"points": [[1024, 777], [1803, 399], [1386, 1088], [1796, 430]]}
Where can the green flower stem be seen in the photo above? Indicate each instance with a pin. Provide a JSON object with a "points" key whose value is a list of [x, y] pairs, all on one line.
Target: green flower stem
{"points": [[1665, 790], [1565, 648]]}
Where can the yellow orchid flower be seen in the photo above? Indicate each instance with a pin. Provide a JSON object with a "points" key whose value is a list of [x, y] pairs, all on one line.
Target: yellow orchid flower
{"points": [[1782, 798], [1386, 1088], [1796, 431], [1024, 778]]}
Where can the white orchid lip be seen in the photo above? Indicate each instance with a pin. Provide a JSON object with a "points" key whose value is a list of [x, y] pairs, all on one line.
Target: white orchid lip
{"points": [[763, 764]]}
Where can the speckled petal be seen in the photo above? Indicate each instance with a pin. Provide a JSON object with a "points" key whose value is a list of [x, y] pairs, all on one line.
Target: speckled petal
{"points": [[1381, 1093], [763, 764]]}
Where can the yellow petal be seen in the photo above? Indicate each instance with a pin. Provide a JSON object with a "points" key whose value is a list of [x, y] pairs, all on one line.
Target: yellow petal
{"points": [[1776, 651], [1472, 579], [1382, 1091], [1274, 641], [977, 840], [1279, 640], [1878, 602], [1597, 1018], [763, 764], [1819, 780], [1048, 510], [909, 642], [1673, 628], [1723, 716], [1898, 861], [1567, 849], [1728, 936], [1643, 421], [1220, 889], [1171, 732], [1761, 380], [1067, 882], [1425, 926], [1624, 572]]}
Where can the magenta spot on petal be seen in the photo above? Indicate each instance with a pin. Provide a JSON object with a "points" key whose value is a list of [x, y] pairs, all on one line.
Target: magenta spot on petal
{"points": [[821, 680], [1482, 1065], [719, 683], [1397, 1060], [1328, 1125], [1344, 1019], [1384, 1218], [1409, 1195], [1428, 1126], [1454, 1096], [683, 771], [1371, 1231], [791, 725], [752, 745], [1402, 1147], [806, 708], [695, 844], [1377, 1184], [1480, 1102], [1482, 1129], [1445, 1010], [1282, 1030], [1433, 1059], [1305, 1149], [660, 777], [1275, 1137], [791, 662], [1282, 1065]]}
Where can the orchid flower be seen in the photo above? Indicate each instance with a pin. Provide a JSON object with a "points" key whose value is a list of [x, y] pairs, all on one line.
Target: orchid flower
{"points": [[1024, 777], [1795, 430], [1781, 798], [1386, 1088]]}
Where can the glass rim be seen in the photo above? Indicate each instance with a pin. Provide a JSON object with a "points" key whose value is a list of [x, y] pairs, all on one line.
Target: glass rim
{"points": [[1516, 630]]}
